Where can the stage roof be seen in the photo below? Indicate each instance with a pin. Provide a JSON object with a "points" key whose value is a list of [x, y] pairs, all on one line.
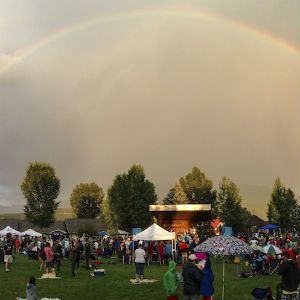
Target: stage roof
{"points": [[180, 207]]}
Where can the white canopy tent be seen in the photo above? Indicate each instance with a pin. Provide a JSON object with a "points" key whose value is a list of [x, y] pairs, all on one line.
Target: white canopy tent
{"points": [[156, 233], [10, 230], [31, 232]]}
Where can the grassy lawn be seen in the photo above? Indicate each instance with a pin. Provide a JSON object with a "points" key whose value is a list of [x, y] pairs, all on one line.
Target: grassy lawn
{"points": [[115, 284]]}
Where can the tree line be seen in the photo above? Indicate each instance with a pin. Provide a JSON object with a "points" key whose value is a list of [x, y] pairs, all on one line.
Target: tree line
{"points": [[126, 203]]}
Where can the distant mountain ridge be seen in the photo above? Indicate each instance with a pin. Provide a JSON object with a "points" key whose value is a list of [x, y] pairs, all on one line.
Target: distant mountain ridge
{"points": [[16, 208], [60, 214]]}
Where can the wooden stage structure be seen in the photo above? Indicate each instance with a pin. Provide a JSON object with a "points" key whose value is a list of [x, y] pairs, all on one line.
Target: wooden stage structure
{"points": [[181, 217]]}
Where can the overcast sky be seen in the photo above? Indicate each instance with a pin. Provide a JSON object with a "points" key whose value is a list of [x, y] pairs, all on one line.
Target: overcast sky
{"points": [[167, 84]]}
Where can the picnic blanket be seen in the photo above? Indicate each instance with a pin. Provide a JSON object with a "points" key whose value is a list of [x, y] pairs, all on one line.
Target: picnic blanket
{"points": [[133, 281], [41, 298], [49, 276]]}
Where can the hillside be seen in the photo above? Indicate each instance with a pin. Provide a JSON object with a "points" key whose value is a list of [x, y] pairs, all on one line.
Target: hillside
{"points": [[256, 199], [61, 214]]}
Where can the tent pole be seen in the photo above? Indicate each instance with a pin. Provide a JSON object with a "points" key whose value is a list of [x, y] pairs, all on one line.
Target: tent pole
{"points": [[223, 282]]}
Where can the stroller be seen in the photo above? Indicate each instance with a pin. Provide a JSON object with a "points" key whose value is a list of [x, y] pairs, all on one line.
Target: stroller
{"points": [[262, 293]]}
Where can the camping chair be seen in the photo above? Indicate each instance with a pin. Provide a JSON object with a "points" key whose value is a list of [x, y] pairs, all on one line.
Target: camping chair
{"points": [[256, 267], [274, 265]]}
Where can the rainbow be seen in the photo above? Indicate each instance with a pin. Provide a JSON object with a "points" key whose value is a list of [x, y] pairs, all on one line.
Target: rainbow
{"points": [[253, 32]]}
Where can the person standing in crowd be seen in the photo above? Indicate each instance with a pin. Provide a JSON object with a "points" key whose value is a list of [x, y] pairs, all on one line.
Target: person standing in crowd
{"points": [[170, 281], [206, 286], [183, 247], [290, 277], [140, 255], [79, 252], [74, 254], [8, 251], [49, 258], [192, 279], [42, 257], [57, 249], [161, 252], [87, 253], [150, 250], [17, 245], [67, 248], [168, 250]]}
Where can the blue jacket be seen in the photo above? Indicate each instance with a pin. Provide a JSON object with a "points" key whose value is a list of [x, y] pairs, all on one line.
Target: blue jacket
{"points": [[206, 286]]}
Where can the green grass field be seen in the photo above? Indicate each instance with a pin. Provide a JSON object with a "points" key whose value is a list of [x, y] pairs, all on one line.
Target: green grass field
{"points": [[115, 284]]}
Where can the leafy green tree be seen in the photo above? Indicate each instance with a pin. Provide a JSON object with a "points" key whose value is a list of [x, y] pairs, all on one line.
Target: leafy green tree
{"points": [[86, 200], [129, 198], [108, 217], [282, 206], [40, 187], [199, 189], [176, 195], [231, 212]]}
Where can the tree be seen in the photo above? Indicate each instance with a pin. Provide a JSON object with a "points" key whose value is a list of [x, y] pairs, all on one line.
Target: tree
{"points": [[296, 217], [282, 206], [86, 200], [199, 189], [40, 187], [176, 195], [108, 217], [231, 212], [129, 198]]}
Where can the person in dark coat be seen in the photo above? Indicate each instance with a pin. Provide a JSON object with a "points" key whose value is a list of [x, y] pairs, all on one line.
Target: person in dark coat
{"points": [[206, 287], [290, 277], [75, 249], [87, 253], [192, 279]]}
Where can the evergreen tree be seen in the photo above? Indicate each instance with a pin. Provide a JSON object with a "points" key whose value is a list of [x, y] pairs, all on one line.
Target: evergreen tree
{"points": [[40, 187], [176, 195], [282, 206], [231, 212], [86, 200], [169, 199], [129, 198], [296, 217]]}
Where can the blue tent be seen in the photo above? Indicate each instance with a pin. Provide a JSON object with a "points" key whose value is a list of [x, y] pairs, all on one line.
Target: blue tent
{"points": [[102, 233], [227, 231], [269, 226]]}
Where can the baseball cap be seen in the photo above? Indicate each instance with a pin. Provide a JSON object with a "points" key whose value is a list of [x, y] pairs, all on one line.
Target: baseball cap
{"points": [[192, 257]]}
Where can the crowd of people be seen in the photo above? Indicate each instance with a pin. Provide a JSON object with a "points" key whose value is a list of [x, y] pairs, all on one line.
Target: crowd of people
{"points": [[197, 276]]}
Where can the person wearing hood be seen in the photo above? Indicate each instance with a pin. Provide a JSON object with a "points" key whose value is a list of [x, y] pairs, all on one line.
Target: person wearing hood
{"points": [[206, 287], [192, 276], [290, 278], [31, 292], [170, 281]]}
